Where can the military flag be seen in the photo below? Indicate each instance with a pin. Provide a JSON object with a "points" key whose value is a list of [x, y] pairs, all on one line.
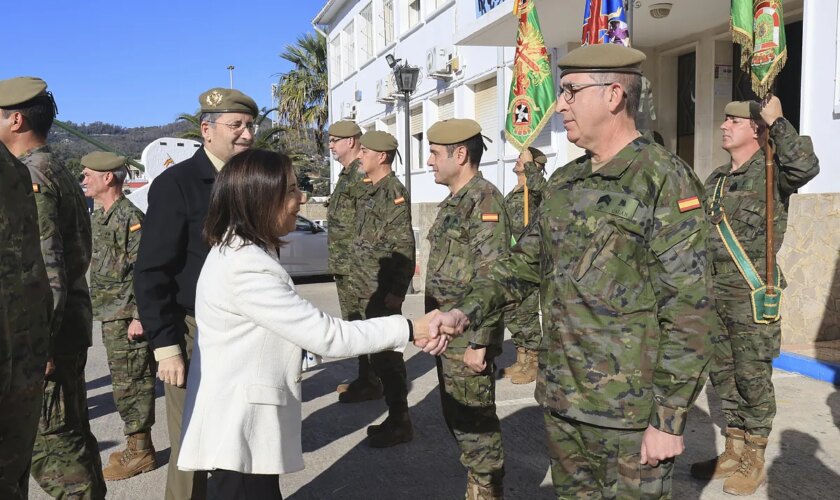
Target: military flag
{"points": [[757, 26], [532, 92], [605, 21]]}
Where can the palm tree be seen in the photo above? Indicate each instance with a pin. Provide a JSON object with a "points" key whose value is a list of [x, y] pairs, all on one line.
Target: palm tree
{"points": [[194, 132], [303, 91]]}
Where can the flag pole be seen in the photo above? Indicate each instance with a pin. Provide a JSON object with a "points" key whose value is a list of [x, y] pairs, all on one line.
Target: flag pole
{"points": [[629, 8]]}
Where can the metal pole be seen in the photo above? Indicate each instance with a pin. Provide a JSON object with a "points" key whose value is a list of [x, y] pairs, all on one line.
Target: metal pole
{"points": [[630, 6], [96, 143], [230, 71], [407, 146]]}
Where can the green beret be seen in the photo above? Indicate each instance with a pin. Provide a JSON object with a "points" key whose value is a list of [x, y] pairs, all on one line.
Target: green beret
{"points": [[538, 156], [18, 90], [379, 141], [743, 109], [602, 58], [453, 131], [103, 161], [222, 100], [344, 128]]}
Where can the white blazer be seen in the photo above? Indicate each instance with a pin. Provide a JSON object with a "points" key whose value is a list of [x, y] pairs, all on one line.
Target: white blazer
{"points": [[243, 404]]}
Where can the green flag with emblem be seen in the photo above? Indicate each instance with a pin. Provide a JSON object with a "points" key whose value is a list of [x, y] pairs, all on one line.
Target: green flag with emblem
{"points": [[758, 27]]}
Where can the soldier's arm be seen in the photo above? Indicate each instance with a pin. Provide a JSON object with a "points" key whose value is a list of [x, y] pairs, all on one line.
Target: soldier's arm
{"points": [[134, 230], [682, 282], [795, 156], [400, 240]]}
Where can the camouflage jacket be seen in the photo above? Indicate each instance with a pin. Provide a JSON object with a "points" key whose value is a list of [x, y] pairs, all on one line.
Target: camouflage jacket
{"points": [[341, 215], [383, 239], [626, 293], [64, 224], [116, 237], [515, 200], [744, 198], [471, 231], [26, 304]]}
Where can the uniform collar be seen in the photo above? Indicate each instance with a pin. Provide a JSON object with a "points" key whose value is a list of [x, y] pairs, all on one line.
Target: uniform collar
{"points": [[757, 157], [618, 164], [43, 148], [454, 199], [353, 167], [215, 160], [376, 186], [113, 209]]}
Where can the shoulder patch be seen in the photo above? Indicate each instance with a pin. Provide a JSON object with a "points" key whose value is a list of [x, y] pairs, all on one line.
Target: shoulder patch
{"points": [[688, 204], [400, 200], [36, 188], [135, 227], [489, 217]]}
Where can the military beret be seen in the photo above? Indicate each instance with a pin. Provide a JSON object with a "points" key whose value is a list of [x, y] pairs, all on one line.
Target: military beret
{"points": [[743, 109], [222, 100], [538, 156], [602, 58], [103, 161], [379, 141], [344, 128], [20, 89], [453, 131]]}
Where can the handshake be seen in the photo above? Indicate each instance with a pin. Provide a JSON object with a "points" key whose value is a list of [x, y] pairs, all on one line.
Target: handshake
{"points": [[433, 331]]}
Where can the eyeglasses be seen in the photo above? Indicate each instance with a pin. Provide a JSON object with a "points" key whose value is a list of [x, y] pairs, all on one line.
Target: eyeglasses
{"points": [[569, 90], [239, 127], [333, 140]]}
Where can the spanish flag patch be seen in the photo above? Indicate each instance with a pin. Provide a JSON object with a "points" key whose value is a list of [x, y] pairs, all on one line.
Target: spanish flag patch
{"points": [[688, 204], [135, 227], [36, 188], [400, 200], [367, 180], [489, 217]]}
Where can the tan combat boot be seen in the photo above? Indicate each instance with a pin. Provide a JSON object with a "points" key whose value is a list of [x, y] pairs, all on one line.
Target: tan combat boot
{"points": [[727, 463], [137, 457], [517, 366], [528, 373], [750, 474], [476, 491]]}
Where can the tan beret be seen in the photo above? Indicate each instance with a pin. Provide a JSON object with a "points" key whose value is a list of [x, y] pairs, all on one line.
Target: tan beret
{"points": [[538, 156], [453, 131], [103, 161], [20, 89], [743, 109], [602, 58], [222, 100], [379, 141], [344, 128]]}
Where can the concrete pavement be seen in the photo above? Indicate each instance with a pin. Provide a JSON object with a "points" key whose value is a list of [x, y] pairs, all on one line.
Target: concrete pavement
{"points": [[803, 455]]}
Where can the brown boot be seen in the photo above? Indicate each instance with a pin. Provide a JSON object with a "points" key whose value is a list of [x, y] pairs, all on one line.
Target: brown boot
{"points": [[476, 491], [137, 457], [750, 474], [517, 366], [396, 429], [361, 390], [528, 373], [727, 463]]}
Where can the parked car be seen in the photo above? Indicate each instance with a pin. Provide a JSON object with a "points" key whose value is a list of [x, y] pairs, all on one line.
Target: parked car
{"points": [[321, 222], [306, 252]]}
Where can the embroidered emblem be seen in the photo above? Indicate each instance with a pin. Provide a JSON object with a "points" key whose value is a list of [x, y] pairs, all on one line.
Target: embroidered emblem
{"points": [[399, 201], [135, 227], [489, 217], [214, 98], [688, 204]]}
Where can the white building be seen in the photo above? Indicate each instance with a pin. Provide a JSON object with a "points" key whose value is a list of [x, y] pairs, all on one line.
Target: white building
{"points": [[692, 64]]}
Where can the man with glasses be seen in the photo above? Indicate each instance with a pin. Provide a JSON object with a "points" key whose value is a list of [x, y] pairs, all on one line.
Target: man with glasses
{"points": [[172, 252], [618, 251]]}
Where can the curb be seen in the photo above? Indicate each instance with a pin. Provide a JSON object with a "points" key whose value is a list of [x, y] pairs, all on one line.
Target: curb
{"points": [[810, 367]]}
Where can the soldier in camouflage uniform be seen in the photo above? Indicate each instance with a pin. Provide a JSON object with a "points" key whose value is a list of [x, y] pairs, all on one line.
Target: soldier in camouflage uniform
{"points": [[618, 251], [65, 460], [524, 321], [384, 240], [116, 235], [744, 350], [25, 312], [471, 231], [341, 221]]}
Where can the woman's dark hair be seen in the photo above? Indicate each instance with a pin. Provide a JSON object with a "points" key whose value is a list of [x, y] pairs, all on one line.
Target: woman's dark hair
{"points": [[248, 195]]}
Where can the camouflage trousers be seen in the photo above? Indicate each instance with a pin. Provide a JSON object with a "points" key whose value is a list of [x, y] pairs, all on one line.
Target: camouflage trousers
{"points": [[524, 323], [742, 365], [18, 426], [588, 461], [348, 302], [468, 400], [65, 460], [132, 376]]}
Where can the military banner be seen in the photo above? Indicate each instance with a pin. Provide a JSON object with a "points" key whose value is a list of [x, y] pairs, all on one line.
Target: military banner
{"points": [[605, 21], [532, 92], [757, 26]]}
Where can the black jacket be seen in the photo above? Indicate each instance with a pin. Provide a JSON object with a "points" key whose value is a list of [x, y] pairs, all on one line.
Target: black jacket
{"points": [[172, 250]]}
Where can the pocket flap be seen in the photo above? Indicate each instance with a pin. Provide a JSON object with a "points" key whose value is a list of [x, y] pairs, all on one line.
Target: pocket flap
{"points": [[266, 395]]}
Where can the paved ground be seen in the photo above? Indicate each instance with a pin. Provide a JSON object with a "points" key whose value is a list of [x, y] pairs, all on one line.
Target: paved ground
{"points": [[803, 457]]}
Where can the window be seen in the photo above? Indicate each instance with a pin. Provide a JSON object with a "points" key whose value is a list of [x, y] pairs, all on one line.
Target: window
{"points": [[446, 107], [366, 33], [438, 3], [416, 122], [386, 24], [486, 114], [348, 53], [335, 59], [413, 13]]}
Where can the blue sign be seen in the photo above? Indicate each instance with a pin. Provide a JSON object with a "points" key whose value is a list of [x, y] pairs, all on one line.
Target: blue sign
{"points": [[484, 6]]}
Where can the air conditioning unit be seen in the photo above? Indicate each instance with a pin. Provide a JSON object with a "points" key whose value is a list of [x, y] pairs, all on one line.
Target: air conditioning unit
{"points": [[348, 111], [438, 62], [385, 90]]}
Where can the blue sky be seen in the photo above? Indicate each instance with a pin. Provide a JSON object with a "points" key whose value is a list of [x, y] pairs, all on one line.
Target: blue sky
{"points": [[135, 63]]}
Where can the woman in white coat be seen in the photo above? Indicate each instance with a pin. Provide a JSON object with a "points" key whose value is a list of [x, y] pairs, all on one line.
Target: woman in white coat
{"points": [[242, 417]]}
